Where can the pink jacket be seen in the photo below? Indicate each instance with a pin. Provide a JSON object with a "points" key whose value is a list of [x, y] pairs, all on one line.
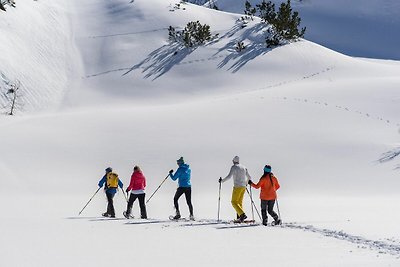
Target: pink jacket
{"points": [[138, 181]]}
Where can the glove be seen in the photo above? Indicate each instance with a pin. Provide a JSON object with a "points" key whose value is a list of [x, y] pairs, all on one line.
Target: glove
{"points": [[127, 191], [171, 171], [220, 180], [250, 182]]}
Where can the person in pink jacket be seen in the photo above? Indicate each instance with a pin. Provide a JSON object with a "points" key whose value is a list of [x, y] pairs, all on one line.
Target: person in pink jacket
{"points": [[136, 186]]}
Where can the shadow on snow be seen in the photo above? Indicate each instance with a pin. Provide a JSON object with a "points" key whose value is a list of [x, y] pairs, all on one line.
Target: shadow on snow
{"points": [[163, 59]]}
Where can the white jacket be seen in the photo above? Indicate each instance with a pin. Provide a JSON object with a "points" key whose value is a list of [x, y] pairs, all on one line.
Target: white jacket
{"points": [[239, 174]]}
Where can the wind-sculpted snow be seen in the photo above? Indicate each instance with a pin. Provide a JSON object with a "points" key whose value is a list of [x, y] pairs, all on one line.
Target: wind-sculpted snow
{"points": [[387, 246]]}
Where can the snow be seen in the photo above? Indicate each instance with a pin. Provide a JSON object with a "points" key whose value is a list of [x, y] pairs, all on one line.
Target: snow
{"points": [[114, 95], [357, 28]]}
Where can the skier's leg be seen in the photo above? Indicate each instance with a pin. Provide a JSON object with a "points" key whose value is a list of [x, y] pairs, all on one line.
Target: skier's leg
{"points": [[178, 194], [237, 197], [264, 212], [130, 204], [188, 196], [132, 199], [110, 206], [271, 211], [143, 212]]}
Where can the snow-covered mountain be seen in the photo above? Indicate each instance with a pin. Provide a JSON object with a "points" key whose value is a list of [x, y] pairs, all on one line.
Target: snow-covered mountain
{"points": [[121, 94]]}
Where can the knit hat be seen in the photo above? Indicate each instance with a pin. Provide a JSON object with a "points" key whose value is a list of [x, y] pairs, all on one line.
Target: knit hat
{"points": [[267, 169], [109, 169], [236, 159], [180, 160]]}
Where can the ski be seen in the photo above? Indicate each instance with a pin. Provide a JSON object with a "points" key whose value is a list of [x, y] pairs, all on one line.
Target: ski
{"points": [[100, 219], [245, 221], [230, 226], [147, 221], [206, 222], [182, 219]]}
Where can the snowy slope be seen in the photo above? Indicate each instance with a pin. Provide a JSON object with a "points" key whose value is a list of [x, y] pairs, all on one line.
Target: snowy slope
{"points": [[320, 118], [38, 50], [357, 28]]}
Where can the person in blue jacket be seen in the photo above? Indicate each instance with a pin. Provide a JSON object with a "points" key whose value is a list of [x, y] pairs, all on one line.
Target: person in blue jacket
{"points": [[182, 174], [110, 188]]}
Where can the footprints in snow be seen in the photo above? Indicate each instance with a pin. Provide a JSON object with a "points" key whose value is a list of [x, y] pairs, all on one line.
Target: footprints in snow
{"points": [[368, 115], [386, 246]]}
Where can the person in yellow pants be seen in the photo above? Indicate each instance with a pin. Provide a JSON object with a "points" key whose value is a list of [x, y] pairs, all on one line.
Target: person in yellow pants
{"points": [[240, 177]]}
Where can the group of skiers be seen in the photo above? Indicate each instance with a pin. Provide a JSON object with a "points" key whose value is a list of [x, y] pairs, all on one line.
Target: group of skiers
{"points": [[268, 184]]}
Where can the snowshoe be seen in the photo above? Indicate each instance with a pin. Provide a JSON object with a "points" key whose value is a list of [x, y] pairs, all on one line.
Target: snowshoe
{"points": [[128, 216], [191, 217], [175, 218], [241, 218], [277, 222]]}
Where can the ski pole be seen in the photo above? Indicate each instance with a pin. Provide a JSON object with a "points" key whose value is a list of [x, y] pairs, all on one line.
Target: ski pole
{"points": [[252, 210], [252, 202], [157, 188], [126, 196], [277, 206], [89, 200], [219, 198]]}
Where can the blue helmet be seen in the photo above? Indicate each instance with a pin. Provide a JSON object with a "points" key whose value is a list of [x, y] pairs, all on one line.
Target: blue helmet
{"points": [[267, 169]]}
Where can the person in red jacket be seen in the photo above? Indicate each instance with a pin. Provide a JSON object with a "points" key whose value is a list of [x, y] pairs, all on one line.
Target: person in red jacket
{"points": [[268, 184], [137, 185]]}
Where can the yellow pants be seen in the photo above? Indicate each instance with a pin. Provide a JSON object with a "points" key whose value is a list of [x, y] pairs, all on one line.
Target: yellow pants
{"points": [[237, 199]]}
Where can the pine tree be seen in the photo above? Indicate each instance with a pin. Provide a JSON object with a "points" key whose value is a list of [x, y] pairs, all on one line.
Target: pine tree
{"points": [[287, 22], [267, 11]]}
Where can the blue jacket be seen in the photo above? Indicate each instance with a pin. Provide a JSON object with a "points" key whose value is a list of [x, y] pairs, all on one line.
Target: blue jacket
{"points": [[183, 176], [110, 190]]}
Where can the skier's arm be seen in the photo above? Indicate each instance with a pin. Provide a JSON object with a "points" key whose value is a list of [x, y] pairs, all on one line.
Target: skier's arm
{"points": [[131, 183], [247, 175], [102, 181], [259, 184], [228, 176], [175, 175], [277, 185]]}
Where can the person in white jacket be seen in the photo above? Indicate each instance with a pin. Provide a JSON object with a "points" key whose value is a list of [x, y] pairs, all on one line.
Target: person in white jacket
{"points": [[240, 179]]}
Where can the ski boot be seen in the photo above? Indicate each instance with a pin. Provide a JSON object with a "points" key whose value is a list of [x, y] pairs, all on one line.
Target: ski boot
{"points": [[277, 222], [127, 215]]}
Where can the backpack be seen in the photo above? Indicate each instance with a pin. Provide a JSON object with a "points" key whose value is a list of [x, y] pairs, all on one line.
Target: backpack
{"points": [[112, 180]]}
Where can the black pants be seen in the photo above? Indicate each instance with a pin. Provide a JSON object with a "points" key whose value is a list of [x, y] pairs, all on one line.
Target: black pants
{"points": [[132, 198], [188, 195], [110, 205], [268, 205]]}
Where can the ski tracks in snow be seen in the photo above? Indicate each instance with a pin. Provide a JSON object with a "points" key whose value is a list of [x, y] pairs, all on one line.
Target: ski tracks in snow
{"points": [[387, 246], [390, 246]]}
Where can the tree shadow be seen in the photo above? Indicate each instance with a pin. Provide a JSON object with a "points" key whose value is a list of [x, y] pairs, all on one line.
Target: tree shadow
{"points": [[161, 60], [254, 37]]}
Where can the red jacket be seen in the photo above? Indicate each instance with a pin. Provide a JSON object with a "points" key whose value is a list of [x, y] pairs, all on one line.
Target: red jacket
{"points": [[268, 189], [138, 181]]}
